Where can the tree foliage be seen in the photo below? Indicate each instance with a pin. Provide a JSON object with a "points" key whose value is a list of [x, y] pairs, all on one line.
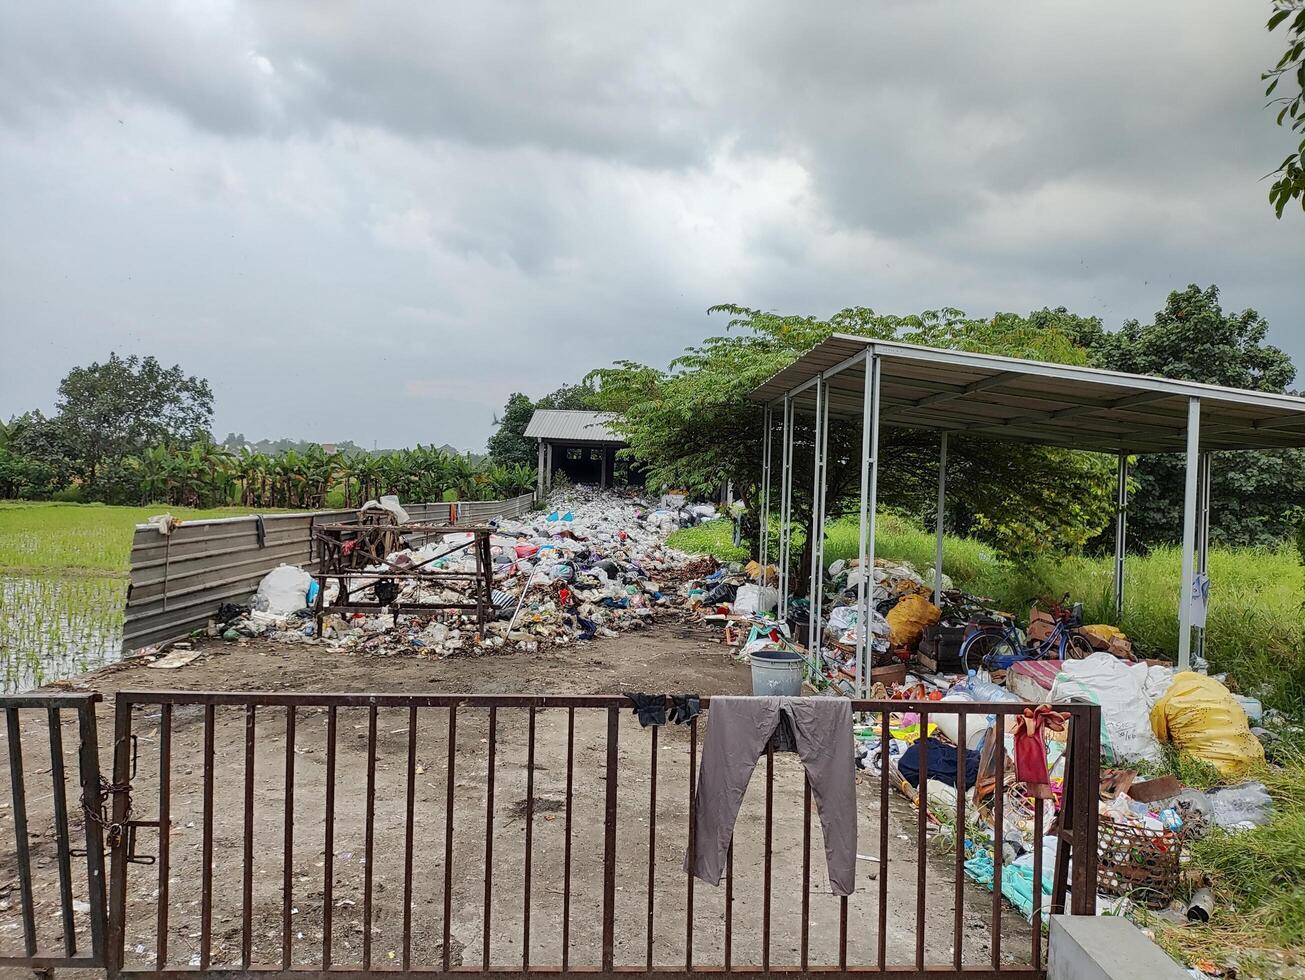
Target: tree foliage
{"points": [[692, 426], [1289, 101], [1257, 497], [110, 410], [508, 445]]}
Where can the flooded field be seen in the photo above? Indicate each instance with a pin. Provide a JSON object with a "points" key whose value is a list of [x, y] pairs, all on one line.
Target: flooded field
{"points": [[54, 626]]}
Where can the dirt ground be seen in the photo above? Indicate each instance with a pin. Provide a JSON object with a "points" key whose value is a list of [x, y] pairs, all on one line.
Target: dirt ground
{"points": [[664, 659]]}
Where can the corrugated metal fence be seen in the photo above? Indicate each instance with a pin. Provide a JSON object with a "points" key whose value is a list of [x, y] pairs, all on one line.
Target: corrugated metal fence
{"points": [[179, 580]]}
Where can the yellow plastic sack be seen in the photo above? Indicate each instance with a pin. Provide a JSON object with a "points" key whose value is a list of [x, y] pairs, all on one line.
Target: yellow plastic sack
{"points": [[1199, 716], [1103, 632], [909, 618]]}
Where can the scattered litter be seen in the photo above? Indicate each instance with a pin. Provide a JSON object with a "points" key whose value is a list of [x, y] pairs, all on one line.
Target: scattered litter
{"points": [[175, 659]]}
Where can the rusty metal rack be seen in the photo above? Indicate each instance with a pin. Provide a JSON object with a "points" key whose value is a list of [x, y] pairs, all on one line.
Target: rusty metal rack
{"points": [[346, 550]]}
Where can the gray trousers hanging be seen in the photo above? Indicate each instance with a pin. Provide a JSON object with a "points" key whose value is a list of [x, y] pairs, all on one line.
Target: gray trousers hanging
{"points": [[738, 729]]}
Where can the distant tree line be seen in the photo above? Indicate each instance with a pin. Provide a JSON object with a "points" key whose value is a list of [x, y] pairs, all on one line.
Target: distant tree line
{"points": [[130, 431]]}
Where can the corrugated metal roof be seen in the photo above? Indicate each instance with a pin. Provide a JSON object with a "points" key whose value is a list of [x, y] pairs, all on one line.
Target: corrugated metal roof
{"points": [[561, 425], [1036, 402]]}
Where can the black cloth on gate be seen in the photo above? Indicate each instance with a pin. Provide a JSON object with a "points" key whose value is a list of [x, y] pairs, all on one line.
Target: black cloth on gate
{"points": [[651, 708], [942, 763], [684, 708]]}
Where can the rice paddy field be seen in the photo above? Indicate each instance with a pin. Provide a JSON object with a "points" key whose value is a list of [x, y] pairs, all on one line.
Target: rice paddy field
{"points": [[63, 585]]}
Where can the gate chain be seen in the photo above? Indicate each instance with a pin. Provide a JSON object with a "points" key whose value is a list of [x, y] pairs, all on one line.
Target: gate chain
{"points": [[100, 813]]}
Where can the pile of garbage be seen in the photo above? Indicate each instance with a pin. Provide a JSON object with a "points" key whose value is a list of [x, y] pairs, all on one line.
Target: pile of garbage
{"points": [[595, 563], [966, 650]]}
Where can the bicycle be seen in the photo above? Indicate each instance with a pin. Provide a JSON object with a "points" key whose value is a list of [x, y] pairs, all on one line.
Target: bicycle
{"points": [[996, 645]]}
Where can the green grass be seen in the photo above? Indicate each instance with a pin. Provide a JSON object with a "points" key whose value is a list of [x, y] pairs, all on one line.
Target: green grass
{"points": [[1256, 625], [712, 538], [41, 538]]}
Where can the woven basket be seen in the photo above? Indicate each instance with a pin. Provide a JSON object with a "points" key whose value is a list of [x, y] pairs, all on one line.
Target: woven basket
{"points": [[1138, 864]]}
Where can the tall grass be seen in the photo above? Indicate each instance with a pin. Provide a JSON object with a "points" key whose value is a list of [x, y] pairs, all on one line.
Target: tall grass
{"points": [[1256, 624]]}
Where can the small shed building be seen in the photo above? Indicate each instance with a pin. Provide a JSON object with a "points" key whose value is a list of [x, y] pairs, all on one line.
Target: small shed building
{"points": [[580, 444]]}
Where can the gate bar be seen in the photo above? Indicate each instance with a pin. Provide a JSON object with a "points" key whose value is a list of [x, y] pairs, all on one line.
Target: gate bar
{"points": [[61, 829], [20, 830]]}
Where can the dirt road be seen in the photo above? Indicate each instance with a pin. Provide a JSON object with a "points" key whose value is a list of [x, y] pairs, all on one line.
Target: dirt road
{"points": [[654, 661]]}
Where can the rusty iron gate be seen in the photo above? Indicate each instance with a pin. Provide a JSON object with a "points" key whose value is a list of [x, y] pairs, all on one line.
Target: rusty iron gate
{"points": [[53, 709], [209, 908]]}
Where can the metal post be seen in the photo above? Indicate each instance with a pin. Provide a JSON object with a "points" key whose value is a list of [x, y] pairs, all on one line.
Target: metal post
{"points": [[820, 527], [865, 587], [785, 506], [1189, 534], [942, 506], [539, 478], [763, 533], [1121, 533], [813, 545], [874, 472], [1203, 532]]}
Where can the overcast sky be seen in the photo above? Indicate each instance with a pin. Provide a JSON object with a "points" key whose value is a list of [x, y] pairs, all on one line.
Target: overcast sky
{"points": [[375, 221]]}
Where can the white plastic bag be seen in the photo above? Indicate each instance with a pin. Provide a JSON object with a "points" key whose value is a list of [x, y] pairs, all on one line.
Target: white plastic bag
{"points": [[753, 599], [283, 591], [1125, 711]]}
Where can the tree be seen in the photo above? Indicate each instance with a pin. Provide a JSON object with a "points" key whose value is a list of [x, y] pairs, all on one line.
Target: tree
{"points": [[581, 397], [111, 410], [508, 446], [37, 439], [1290, 185], [692, 426], [1257, 500]]}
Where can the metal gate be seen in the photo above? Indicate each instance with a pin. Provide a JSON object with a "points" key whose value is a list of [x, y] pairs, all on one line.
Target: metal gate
{"points": [[278, 834], [27, 715]]}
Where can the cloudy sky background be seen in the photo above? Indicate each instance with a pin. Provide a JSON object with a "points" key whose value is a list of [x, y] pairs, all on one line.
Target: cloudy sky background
{"points": [[375, 221]]}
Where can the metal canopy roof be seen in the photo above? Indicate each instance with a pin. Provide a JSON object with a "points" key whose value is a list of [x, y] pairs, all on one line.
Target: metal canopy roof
{"points": [[1036, 402], [572, 426]]}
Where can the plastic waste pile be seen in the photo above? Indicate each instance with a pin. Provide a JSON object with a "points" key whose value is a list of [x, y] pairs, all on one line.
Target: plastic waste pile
{"points": [[594, 564]]}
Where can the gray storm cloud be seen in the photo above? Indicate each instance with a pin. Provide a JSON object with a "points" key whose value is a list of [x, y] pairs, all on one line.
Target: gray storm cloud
{"points": [[454, 202]]}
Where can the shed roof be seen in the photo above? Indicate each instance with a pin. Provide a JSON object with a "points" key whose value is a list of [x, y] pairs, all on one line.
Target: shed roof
{"points": [[567, 425], [1036, 402]]}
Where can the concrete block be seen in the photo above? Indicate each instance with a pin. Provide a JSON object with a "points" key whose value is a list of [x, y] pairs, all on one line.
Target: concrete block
{"points": [[1105, 947]]}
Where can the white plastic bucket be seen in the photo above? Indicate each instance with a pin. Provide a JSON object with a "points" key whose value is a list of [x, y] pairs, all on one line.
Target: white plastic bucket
{"points": [[776, 673]]}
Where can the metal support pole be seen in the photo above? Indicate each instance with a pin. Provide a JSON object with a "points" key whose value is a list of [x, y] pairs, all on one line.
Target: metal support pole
{"points": [[763, 533], [785, 506], [873, 502], [813, 545], [820, 527], [942, 509], [539, 478], [1121, 533], [1203, 532], [1189, 534], [865, 588]]}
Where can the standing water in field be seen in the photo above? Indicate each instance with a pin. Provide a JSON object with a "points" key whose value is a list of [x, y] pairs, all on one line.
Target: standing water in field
{"points": [[52, 627]]}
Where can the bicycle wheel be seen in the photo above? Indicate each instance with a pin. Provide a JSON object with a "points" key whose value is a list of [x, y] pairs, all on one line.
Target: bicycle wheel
{"points": [[982, 646], [1077, 648]]}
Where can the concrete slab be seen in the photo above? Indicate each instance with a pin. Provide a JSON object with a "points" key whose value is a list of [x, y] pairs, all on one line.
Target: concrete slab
{"points": [[1105, 947]]}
